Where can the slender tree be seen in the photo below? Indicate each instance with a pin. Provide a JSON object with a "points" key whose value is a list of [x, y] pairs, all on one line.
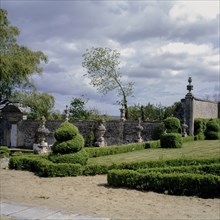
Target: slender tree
{"points": [[102, 66]]}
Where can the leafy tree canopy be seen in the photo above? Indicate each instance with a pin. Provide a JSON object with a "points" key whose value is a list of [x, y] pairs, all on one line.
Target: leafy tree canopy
{"points": [[103, 69], [17, 63], [155, 112], [40, 104], [78, 111]]}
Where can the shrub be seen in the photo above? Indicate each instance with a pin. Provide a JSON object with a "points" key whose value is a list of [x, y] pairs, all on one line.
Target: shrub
{"points": [[171, 141], [158, 131], [188, 139], [164, 163], [43, 167], [96, 169], [4, 152], [207, 186], [63, 169], [200, 169], [66, 131], [152, 144], [90, 139], [80, 157], [70, 146], [199, 126], [212, 131], [97, 152], [69, 140], [199, 137], [172, 125]]}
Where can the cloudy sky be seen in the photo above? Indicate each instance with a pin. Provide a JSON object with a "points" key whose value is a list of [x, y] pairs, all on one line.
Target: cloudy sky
{"points": [[161, 44]]}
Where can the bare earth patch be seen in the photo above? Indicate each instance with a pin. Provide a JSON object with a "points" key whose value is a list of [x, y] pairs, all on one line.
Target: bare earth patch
{"points": [[90, 195]]}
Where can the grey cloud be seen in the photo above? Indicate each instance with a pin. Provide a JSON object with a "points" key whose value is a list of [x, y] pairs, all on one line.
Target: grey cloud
{"points": [[52, 26]]}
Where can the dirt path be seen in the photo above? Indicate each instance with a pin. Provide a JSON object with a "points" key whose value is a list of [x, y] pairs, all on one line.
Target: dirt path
{"points": [[91, 196]]}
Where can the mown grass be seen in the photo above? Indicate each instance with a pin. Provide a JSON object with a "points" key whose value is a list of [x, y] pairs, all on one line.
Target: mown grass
{"points": [[194, 149]]}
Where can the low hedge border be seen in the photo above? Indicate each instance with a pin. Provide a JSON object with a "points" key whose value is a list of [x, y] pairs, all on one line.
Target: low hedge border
{"points": [[200, 169], [206, 186], [80, 157], [98, 169], [164, 163], [104, 151], [43, 167]]}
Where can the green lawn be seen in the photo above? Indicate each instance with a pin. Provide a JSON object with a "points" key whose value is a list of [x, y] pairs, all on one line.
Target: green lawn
{"points": [[194, 149]]}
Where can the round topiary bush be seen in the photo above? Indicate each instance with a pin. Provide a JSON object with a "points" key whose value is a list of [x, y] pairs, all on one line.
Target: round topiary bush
{"points": [[172, 125], [69, 140], [171, 140], [158, 131], [66, 131], [212, 131]]}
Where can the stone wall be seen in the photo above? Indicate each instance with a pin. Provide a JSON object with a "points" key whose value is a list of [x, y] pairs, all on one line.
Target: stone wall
{"points": [[117, 132], [205, 109], [198, 108]]}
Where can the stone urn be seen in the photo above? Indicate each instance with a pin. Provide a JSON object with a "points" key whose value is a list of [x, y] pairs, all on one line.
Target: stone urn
{"points": [[42, 132], [100, 140]]}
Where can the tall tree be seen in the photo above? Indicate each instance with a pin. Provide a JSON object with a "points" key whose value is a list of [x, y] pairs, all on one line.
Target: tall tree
{"points": [[78, 110], [102, 66], [17, 62]]}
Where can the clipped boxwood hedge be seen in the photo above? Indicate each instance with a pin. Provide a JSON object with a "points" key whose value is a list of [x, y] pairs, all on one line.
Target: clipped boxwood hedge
{"points": [[98, 169], [207, 186], [165, 163], [80, 157], [207, 129], [171, 140], [212, 131], [200, 169], [103, 151], [43, 167], [152, 144], [4, 151]]}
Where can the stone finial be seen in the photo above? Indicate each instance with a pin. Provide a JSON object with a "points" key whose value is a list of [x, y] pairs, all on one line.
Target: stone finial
{"points": [[66, 111], [190, 86], [122, 110]]}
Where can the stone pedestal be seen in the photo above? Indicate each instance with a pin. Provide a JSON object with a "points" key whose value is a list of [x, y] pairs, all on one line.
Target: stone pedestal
{"points": [[100, 140], [139, 129], [41, 147]]}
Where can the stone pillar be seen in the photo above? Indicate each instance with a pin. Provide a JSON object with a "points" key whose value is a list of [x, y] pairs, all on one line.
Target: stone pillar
{"points": [[188, 109]]}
